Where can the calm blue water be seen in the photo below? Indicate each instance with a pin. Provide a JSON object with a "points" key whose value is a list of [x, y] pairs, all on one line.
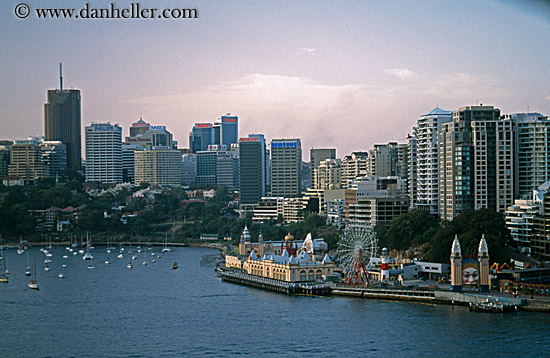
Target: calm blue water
{"points": [[154, 311]]}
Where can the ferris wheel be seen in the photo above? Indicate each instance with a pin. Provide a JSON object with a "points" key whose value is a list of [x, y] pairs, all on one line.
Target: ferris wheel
{"points": [[357, 245]]}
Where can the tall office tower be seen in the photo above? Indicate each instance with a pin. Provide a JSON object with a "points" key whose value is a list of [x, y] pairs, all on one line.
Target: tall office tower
{"points": [[201, 136], [139, 127], [286, 166], [158, 166], [354, 166], [412, 170], [103, 153], [505, 190], [252, 156], [150, 136], [226, 130], [206, 168], [188, 168], [470, 159], [62, 122], [427, 159], [128, 163], [54, 157], [5, 149], [532, 151], [25, 160], [316, 157]]}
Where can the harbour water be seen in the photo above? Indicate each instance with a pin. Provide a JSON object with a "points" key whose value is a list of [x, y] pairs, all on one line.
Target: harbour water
{"points": [[154, 311]]}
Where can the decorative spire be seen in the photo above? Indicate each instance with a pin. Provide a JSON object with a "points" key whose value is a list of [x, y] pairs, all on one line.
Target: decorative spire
{"points": [[483, 249], [245, 237], [455, 251]]}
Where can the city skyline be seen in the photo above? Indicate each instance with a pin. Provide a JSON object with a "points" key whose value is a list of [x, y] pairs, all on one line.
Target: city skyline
{"points": [[328, 75]]}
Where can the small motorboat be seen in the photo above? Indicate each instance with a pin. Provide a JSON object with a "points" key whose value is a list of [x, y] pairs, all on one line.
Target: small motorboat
{"points": [[175, 265], [61, 275]]}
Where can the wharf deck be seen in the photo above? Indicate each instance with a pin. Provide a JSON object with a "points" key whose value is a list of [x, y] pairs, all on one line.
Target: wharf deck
{"points": [[268, 284]]}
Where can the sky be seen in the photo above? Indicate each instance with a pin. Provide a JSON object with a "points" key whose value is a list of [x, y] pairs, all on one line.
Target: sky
{"points": [[344, 75]]}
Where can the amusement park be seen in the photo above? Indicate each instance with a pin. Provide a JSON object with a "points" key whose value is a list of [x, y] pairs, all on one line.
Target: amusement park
{"points": [[359, 267]]}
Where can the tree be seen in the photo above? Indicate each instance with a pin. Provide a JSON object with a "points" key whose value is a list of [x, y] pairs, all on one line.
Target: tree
{"points": [[469, 227], [407, 230]]}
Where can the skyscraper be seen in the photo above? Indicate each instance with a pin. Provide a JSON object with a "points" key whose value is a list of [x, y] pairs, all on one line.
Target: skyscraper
{"points": [[427, 159], [532, 151], [476, 162], [286, 166], [62, 122], [229, 130], [252, 164], [201, 136], [104, 153]]}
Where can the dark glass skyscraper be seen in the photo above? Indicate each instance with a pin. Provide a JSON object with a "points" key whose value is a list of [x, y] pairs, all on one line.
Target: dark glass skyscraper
{"points": [[62, 123], [252, 155], [229, 132]]}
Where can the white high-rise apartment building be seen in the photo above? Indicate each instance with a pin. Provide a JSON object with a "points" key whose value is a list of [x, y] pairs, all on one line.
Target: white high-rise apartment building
{"points": [[103, 153], [532, 151], [427, 159]]}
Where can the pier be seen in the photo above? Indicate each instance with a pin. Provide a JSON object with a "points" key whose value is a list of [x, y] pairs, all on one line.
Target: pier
{"points": [[289, 288]]}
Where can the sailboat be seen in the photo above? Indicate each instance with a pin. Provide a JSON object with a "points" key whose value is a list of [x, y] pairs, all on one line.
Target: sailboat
{"points": [[166, 248], [28, 272], [3, 277], [20, 249], [87, 255], [145, 256], [33, 284]]}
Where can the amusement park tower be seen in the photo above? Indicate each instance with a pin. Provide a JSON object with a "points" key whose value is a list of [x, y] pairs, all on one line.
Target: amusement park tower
{"points": [[456, 266], [483, 258], [384, 269]]}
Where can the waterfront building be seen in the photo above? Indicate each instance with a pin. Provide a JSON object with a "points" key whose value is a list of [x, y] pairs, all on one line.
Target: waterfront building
{"points": [[25, 161], [158, 166], [318, 155], [284, 260], [354, 166], [425, 194], [103, 153], [476, 162], [53, 155], [532, 151], [286, 165], [62, 122], [252, 168]]}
